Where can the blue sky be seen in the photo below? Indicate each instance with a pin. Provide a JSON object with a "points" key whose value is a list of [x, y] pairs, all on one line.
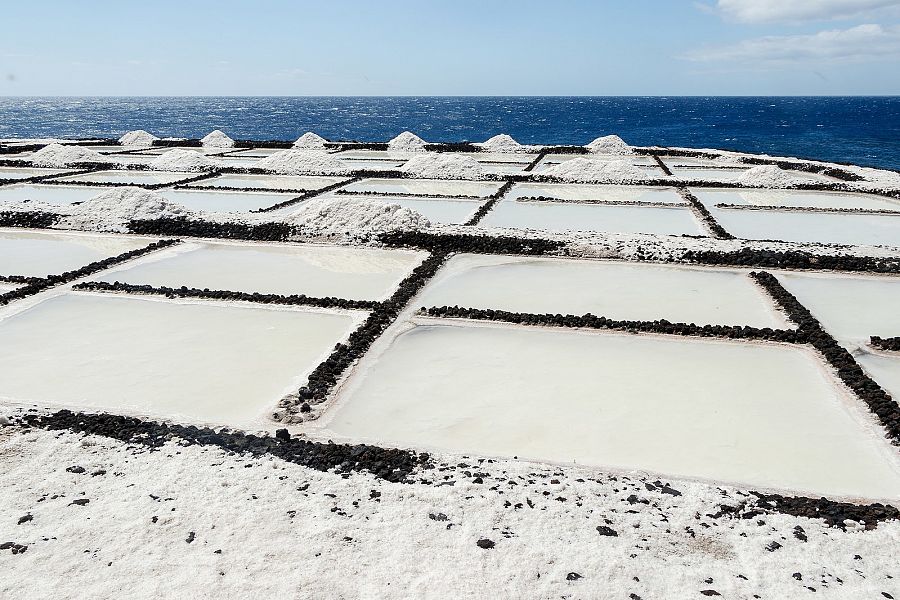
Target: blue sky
{"points": [[458, 47]]}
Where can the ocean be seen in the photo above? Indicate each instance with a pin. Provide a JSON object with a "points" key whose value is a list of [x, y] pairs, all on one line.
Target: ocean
{"points": [[861, 130]]}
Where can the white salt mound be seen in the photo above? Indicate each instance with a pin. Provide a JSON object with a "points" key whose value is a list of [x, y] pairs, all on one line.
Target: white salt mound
{"points": [[407, 142], [444, 166], [112, 210], [58, 155], [586, 170], [138, 138], [610, 144], [769, 176], [303, 162], [340, 216], [310, 140], [503, 143], [217, 139], [182, 160]]}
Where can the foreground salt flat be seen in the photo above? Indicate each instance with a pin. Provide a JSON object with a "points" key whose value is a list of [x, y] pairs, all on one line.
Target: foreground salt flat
{"points": [[26, 172], [205, 362], [37, 254], [617, 290], [335, 271], [762, 415]]}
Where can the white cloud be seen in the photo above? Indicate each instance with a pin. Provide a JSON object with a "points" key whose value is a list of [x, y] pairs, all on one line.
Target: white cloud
{"points": [[772, 11], [860, 43]]}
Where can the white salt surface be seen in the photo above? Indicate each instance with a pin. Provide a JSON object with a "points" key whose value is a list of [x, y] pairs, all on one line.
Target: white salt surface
{"points": [[138, 138], [254, 152], [59, 195], [338, 271], [310, 140], [353, 216], [7, 287], [130, 177], [618, 290], [36, 254], [272, 182], [51, 194], [829, 228], [564, 217], [114, 209], [772, 176], [796, 198], [850, 307], [437, 210], [217, 139], [183, 160], [25, 172], [215, 363], [660, 404], [644, 161], [587, 170], [407, 142], [610, 144], [354, 164], [716, 174], [502, 143], [606, 193], [224, 201], [443, 166], [303, 162], [59, 155], [426, 186]]}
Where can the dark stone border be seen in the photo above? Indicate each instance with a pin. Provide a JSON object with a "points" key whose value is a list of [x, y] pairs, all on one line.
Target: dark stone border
{"points": [[537, 160], [28, 219], [254, 297], [792, 259], [410, 195], [472, 244], [309, 194], [832, 512], [663, 165], [605, 202], [891, 344], [590, 321], [145, 186], [701, 211], [324, 377], [485, 208], [44, 283], [848, 370], [184, 227], [392, 465]]}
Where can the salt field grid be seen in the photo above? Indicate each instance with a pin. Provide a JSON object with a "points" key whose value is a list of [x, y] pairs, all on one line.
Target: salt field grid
{"points": [[360, 292]]}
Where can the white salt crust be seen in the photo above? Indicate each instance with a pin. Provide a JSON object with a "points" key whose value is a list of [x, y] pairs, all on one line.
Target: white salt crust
{"points": [[585, 170], [183, 160], [59, 155], [310, 141], [407, 142], [444, 166], [138, 139], [217, 139], [303, 162], [112, 210], [610, 144]]}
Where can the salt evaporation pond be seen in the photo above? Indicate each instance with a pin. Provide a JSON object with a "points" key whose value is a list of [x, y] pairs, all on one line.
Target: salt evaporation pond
{"points": [[796, 199], [563, 217], [884, 369], [51, 194], [850, 307], [437, 210], [600, 193], [829, 228], [272, 182], [638, 161], [758, 414], [323, 271], [617, 290], [734, 173], [27, 172], [208, 362], [130, 177], [223, 201], [437, 187], [37, 254]]}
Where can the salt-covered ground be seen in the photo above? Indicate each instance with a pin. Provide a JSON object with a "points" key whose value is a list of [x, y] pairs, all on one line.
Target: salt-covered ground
{"points": [[222, 333]]}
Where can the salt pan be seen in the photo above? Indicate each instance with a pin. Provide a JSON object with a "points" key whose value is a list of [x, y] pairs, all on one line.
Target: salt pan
{"points": [[339, 216], [586, 170]]}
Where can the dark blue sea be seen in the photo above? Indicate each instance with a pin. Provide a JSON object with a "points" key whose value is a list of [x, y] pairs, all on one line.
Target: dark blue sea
{"points": [[862, 130]]}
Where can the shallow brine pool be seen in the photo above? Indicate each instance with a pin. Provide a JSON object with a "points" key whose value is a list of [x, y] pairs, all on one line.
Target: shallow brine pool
{"points": [[272, 182], [225, 201], [132, 177], [851, 308], [214, 363], [796, 198], [342, 272], [829, 228], [438, 187], [760, 415], [733, 173], [27, 172], [563, 217], [37, 254], [618, 290], [51, 194], [594, 192]]}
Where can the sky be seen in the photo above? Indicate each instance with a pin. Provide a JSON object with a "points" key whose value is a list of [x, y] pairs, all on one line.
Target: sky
{"points": [[453, 47]]}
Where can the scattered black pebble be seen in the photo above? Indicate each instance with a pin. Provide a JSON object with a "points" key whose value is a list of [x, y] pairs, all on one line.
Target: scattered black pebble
{"points": [[190, 537], [75, 469], [710, 593], [604, 530], [26, 518], [485, 544], [800, 533], [773, 546], [438, 517], [573, 576], [79, 502]]}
